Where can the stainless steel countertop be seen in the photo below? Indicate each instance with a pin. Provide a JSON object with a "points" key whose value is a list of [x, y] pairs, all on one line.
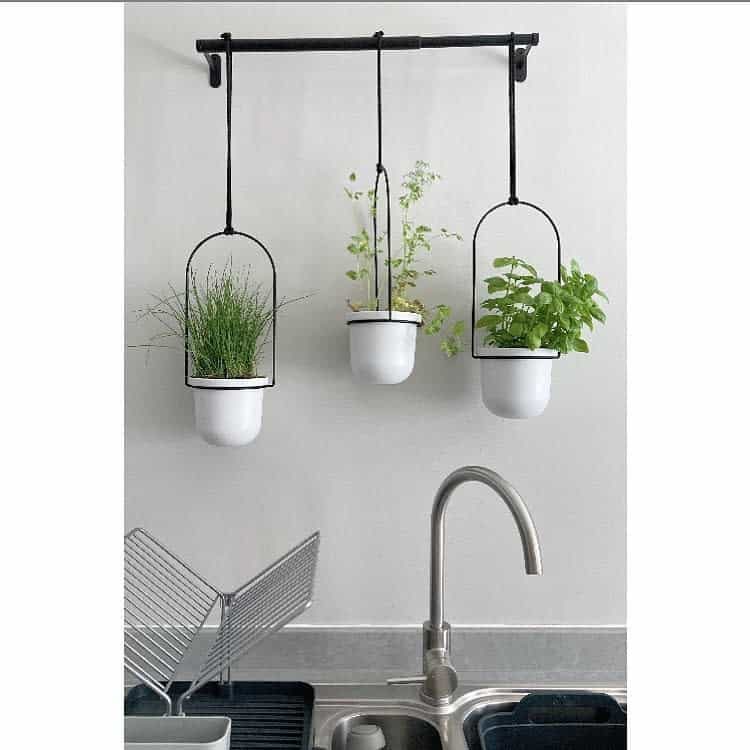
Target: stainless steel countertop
{"points": [[348, 668], [482, 655]]}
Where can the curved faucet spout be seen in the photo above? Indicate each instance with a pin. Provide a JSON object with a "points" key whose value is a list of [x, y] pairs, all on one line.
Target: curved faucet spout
{"points": [[529, 539], [439, 679]]}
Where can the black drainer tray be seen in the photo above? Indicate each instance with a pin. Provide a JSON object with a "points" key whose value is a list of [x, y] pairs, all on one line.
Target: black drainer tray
{"points": [[265, 715], [543, 721]]}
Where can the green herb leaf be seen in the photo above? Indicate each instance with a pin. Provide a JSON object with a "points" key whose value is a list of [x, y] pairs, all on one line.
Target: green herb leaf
{"points": [[488, 321], [597, 313], [527, 266], [496, 284]]}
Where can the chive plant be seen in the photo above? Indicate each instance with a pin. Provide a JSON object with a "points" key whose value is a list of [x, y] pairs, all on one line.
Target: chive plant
{"points": [[228, 326]]}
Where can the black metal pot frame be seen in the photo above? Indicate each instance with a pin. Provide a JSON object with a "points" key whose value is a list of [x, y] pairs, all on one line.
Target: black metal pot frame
{"points": [[188, 265]]}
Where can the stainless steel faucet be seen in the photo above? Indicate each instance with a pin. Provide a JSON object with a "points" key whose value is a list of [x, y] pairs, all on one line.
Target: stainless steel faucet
{"points": [[439, 677]]}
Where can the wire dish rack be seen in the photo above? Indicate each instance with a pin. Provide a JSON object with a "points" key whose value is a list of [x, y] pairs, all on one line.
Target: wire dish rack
{"points": [[167, 604]]}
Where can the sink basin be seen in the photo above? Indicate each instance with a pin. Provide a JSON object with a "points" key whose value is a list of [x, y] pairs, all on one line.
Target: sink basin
{"points": [[408, 723], [401, 732]]}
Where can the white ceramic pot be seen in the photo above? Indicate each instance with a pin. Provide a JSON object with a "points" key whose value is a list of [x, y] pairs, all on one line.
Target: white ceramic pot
{"points": [[382, 353], [226, 413], [516, 388]]}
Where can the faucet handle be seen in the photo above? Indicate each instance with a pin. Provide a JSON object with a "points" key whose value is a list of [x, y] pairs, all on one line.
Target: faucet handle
{"points": [[413, 680], [440, 682]]}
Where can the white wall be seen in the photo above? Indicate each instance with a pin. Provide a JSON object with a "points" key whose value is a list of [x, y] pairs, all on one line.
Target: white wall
{"points": [[362, 463]]}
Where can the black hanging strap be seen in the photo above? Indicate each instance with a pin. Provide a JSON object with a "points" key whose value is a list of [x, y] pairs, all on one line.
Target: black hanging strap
{"points": [[379, 36], [513, 199], [513, 71], [229, 229], [381, 170], [227, 37]]}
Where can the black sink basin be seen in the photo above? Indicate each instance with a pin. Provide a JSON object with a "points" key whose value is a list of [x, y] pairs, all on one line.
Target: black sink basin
{"points": [[549, 721]]}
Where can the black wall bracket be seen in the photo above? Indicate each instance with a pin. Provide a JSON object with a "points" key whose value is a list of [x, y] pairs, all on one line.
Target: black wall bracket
{"points": [[214, 70], [519, 64]]}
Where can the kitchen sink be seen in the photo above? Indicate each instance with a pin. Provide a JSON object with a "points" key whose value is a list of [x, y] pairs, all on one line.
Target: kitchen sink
{"points": [[432, 710], [402, 732], [409, 723]]}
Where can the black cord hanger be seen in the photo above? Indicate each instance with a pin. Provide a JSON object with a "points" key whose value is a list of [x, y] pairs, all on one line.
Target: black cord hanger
{"points": [[380, 170], [514, 56], [229, 230]]}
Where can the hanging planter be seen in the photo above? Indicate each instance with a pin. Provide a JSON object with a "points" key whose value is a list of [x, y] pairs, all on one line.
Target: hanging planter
{"points": [[515, 369], [382, 343], [227, 390], [225, 319], [529, 321], [227, 322]]}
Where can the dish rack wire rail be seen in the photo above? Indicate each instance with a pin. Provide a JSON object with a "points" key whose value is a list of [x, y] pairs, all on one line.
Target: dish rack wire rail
{"points": [[167, 604]]}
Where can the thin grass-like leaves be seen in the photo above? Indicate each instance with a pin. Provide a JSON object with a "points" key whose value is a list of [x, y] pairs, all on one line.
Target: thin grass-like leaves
{"points": [[228, 326]]}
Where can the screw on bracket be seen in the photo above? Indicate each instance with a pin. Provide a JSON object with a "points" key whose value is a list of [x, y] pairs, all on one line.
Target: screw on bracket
{"points": [[214, 70], [519, 64]]}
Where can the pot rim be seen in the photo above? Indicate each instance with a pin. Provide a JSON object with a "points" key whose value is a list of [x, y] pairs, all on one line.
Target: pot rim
{"points": [[378, 316], [515, 351], [229, 383]]}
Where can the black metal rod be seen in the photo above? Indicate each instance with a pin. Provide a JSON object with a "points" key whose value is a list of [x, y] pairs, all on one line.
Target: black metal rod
{"points": [[355, 43]]}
